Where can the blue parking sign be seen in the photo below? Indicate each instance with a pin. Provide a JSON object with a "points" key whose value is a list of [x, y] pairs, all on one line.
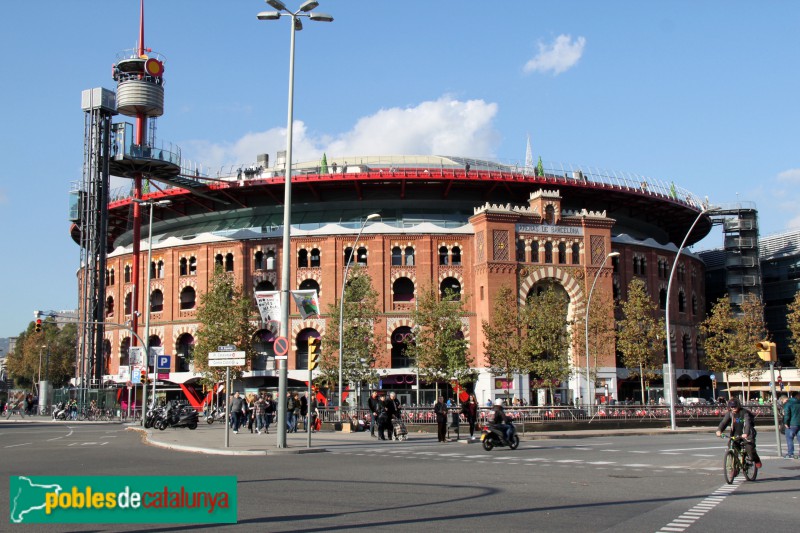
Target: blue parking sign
{"points": [[163, 362]]}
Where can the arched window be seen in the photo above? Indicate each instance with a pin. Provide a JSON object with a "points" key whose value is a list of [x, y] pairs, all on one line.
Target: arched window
{"points": [[153, 270], [218, 260], [265, 285], [110, 306], [309, 284], [636, 265], [455, 256], [264, 348], [348, 253], [397, 256], [187, 298], [681, 302], [443, 255], [520, 250], [662, 299], [402, 338], [258, 263], [403, 290], [270, 260], [184, 349], [615, 263], [576, 254], [694, 304], [184, 267], [616, 292], [229, 263], [562, 253], [128, 303], [124, 349], [451, 284], [535, 252], [127, 273], [643, 266], [160, 269], [302, 259], [107, 355], [361, 256], [688, 360], [315, 258], [156, 301], [192, 266], [548, 252], [111, 280], [409, 256]]}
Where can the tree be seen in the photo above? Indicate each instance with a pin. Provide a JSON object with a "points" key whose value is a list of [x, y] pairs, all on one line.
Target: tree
{"points": [[504, 344], [359, 344], [639, 338], [547, 337], [602, 329], [224, 315], [52, 351], [729, 340], [440, 351], [793, 325]]}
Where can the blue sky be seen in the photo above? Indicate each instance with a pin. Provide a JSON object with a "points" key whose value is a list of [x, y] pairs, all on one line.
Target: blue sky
{"points": [[700, 93]]}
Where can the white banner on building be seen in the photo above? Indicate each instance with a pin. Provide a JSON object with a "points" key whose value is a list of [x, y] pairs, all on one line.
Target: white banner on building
{"points": [[307, 302], [269, 305]]}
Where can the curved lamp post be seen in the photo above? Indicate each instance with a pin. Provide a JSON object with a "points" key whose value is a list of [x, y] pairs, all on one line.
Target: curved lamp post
{"points": [[670, 371], [589, 400], [353, 251], [296, 25]]}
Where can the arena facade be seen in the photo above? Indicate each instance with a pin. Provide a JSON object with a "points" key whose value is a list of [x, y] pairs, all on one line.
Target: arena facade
{"points": [[450, 222]]}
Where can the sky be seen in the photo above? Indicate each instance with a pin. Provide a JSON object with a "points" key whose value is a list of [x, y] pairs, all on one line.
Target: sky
{"points": [[700, 93]]}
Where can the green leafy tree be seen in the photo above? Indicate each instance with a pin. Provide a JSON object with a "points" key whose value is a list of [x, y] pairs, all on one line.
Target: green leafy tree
{"points": [[602, 329], [360, 343], [504, 346], [547, 337], [52, 350], [440, 351], [224, 315], [793, 324], [639, 334], [751, 329]]}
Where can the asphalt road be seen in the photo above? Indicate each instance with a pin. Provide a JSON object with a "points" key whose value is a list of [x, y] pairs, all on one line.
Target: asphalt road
{"points": [[621, 484]]}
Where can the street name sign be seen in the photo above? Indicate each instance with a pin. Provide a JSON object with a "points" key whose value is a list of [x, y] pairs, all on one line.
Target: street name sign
{"points": [[216, 356], [226, 362]]}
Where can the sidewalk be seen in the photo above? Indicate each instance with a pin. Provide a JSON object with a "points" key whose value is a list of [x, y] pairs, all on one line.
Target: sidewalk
{"points": [[210, 439]]}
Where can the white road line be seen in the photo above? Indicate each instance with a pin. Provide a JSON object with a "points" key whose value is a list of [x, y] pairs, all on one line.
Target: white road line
{"points": [[601, 462], [15, 445], [686, 519], [609, 450]]}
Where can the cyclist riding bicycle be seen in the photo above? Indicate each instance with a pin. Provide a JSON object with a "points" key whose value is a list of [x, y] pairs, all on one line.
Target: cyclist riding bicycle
{"points": [[743, 425]]}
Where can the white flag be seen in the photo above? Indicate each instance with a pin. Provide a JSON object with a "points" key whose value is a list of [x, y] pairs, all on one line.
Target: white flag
{"points": [[269, 305]]}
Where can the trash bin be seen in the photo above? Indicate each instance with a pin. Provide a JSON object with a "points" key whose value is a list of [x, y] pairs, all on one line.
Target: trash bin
{"points": [[454, 418]]}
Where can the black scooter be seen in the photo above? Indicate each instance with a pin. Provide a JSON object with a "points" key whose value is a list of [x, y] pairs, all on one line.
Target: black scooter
{"points": [[493, 436], [178, 417]]}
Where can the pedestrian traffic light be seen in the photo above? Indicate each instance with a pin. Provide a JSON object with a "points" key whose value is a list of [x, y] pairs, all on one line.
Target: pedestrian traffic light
{"points": [[313, 352], [38, 327], [766, 351]]}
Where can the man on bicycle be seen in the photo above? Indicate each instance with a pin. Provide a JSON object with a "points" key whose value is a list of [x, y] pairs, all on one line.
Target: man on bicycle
{"points": [[743, 425]]}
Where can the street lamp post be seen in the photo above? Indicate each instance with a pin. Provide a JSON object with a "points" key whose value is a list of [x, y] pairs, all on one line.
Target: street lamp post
{"points": [[670, 370], [151, 204], [354, 250], [282, 11], [589, 400]]}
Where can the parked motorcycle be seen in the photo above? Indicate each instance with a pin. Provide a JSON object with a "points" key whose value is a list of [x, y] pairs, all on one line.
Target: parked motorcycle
{"points": [[154, 415], [215, 415], [178, 417], [493, 436], [60, 411]]}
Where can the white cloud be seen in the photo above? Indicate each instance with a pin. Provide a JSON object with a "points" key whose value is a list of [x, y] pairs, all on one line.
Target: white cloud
{"points": [[557, 57], [440, 127], [790, 176]]}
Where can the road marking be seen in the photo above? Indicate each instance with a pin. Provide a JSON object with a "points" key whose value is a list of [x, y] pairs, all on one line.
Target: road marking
{"points": [[15, 445], [602, 463], [609, 450], [687, 519]]}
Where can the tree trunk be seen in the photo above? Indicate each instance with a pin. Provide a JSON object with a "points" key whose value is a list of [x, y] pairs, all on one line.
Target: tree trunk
{"points": [[641, 381]]}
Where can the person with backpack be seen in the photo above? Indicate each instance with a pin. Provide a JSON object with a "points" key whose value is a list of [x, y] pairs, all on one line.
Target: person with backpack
{"points": [[791, 418]]}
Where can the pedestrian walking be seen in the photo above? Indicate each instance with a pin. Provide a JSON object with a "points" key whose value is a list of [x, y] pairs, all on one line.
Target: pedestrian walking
{"points": [[440, 410], [470, 411], [236, 410], [375, 409], [791, 418]]}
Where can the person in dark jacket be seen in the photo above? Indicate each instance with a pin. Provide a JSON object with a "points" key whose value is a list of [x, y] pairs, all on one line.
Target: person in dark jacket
{"points": [[440, 410], [470, 411], [392, 410], [375, 409], [237, 411], [742, 424], [791, 418], [384, 421]]}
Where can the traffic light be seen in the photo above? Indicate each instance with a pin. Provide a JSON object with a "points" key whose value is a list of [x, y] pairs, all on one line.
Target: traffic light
{"points": [[313, 352], [144, 375], [38, 327], [766, 351]]}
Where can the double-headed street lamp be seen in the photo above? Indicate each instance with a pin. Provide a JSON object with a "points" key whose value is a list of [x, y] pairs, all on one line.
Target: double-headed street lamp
{"points": [[152, 204], [670, 372], [282, 11], [353, 250], [589, 399]]}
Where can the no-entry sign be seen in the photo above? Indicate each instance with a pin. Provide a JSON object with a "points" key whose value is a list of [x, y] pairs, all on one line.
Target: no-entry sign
{"points": [[281, 346]]}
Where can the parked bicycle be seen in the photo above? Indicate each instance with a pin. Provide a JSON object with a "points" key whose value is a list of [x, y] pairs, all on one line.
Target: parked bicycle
{"points": [[736, 461]]}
